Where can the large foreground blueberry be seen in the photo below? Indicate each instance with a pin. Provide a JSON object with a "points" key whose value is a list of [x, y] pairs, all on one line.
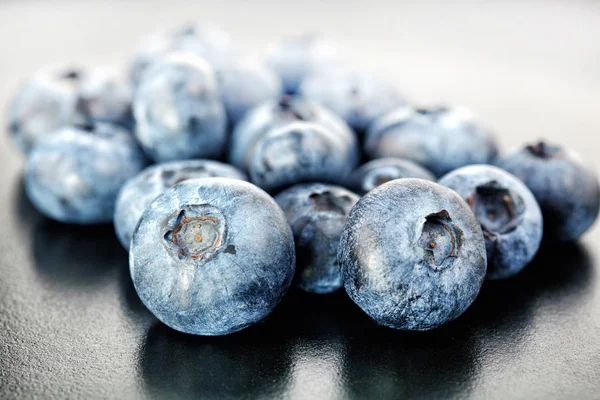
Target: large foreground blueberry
{"points": [[382, 170], [300, 152], [59, 96], [317, 214], [276, 113], [358, 98], [296, 57], [212, 256], [139, 192], [178, 112], [507, 211], [75, 174], [565, 186], [412, 254], [440, 139]]}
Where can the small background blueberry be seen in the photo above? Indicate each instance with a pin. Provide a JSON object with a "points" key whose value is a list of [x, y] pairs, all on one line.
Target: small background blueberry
{"points": [[382, 170], [412, 254], [75, 174], [441, 139], [212, 256], [507, 211], [565, 186], [139, 192], [317, 214]]}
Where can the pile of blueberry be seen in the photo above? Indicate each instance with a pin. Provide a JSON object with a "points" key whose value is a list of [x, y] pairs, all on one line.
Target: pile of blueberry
{"points": [[211, 254]]}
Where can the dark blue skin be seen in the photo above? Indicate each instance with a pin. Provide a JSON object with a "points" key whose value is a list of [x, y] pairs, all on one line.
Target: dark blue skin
{"points": [[565, 186], [440, 139], [276, 113], [356, 97], [412, 254], [509, 215], [135, 196], [60, 96], [296, 57], [179, 114], [75, 174], [317, 213], [382, 170], [212, 256], [300, 152]]}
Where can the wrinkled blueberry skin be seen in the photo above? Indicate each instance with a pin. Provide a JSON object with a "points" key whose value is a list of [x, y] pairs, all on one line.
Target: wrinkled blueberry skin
{"points": [[296, 57], [412, 254], [212, 256], [358, 98], [59, 96], [74, 175], [508, 213], [564, 185], [300, 152], [203, 40], [277, 113], [178, 111], [137, 194], [377, 172], [244, 84], [317, 213], [441, 139]]}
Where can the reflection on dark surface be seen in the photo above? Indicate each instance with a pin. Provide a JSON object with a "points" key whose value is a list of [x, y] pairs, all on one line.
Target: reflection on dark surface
{"points": [[317, 346]]}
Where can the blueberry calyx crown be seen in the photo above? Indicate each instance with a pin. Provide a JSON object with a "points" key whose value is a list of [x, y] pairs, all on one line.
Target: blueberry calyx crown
{"points": [[172, 177], [198, 232], [71, 74], [544, 150], [498, 210], [287, 109], [432, 112], [441, 238], [329, 202]]}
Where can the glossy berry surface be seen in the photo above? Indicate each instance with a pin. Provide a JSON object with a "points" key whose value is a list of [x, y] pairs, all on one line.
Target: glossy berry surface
{"points": [[377, 172], [244, 84], [509, 215], [277, 113], [440, 139], [75, 174], [300, 152], [178, 112], [358, 98], [212, 256], [296, 57], [137, 194], [317, 214], [565, 186], [412, 254], [59, 96], [203, 40]]}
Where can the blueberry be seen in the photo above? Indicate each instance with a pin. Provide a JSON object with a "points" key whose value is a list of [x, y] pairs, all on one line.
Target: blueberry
{"points": [[565, 186], [212, 256], [244, 84], [139, 192], [276, 113], [412, 254], [358, 98], [300, 152], [59, 96], [204, 40], [440, 139], [317, 214], [178, 112], [510, 217], [74, 175], [380, 171], [296, 57]]}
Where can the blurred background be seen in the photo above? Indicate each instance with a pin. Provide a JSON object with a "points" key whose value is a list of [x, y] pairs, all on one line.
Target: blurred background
{"points": [[75, 328]]}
